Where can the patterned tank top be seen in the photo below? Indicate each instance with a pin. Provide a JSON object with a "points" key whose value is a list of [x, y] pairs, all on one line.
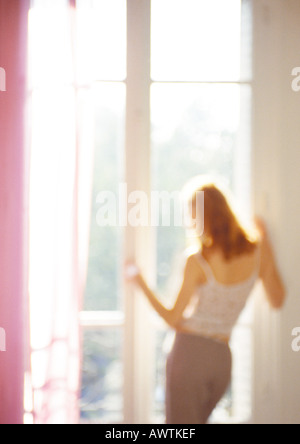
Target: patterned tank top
{"points": [[217, 306]]}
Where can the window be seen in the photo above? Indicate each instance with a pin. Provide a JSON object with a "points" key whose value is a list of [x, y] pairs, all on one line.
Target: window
{"points": [[200, 115], [167, 87], [190, 111], [101, 27]]}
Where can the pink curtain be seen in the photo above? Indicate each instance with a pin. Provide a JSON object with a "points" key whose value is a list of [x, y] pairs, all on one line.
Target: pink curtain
{"points": [[60, 184], [13, 207]]}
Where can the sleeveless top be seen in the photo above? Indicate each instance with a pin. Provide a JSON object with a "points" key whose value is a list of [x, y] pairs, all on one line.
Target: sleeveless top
{"points": [[217, 306]]}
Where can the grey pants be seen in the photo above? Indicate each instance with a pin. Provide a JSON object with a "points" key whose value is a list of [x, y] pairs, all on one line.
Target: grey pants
{"points": [[198, 374]]}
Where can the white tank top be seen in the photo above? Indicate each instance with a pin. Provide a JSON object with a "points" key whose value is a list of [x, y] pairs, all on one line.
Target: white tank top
{"points": [[217, 306]]}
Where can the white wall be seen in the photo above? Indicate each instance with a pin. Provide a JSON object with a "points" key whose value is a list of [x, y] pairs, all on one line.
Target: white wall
{"points": [[290, 195], [276, 183]]}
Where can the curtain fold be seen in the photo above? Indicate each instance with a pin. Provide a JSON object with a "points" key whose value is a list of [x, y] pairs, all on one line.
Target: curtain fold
{"points": [[13, 207], [60, 189]]}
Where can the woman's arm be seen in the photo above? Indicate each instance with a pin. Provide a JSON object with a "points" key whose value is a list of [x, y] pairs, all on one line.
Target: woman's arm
{"points": [[174, 315], [269, 272]]}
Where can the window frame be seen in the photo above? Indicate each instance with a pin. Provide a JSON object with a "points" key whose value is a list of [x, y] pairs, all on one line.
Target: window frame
{"points": [[138, 345]]}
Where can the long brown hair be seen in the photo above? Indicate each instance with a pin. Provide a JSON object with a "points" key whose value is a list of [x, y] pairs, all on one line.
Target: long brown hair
{"points": [[222, 229]]}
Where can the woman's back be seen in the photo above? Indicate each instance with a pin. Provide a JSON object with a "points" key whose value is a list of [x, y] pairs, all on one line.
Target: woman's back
{"points": [[234, 271], [223, 291]]}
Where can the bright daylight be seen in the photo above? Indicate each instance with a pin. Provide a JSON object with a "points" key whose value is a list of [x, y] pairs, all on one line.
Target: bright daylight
{"points": [[149, 255]]}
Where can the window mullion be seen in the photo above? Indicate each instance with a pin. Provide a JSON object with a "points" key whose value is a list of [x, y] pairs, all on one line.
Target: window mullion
{"points": [[137, 240]]}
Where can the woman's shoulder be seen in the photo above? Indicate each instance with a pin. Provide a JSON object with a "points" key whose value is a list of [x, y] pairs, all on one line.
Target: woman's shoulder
{"points": [[194, 264], [193, 255]]}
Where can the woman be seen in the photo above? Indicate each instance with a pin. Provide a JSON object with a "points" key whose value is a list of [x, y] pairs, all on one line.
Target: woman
{"points": [[218, 279]]}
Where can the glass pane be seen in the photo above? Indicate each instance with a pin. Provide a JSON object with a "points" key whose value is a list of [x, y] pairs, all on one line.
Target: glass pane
{"points": [[194, 131], [102, 378], [103, 281], [162, 344], [200, 129], [101, 40], [196, 39], [242, 371]]}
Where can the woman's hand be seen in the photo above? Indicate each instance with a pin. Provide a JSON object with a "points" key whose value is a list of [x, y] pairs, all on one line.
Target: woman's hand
{"points": [[132, 273], [174, 315], [261, 227]]}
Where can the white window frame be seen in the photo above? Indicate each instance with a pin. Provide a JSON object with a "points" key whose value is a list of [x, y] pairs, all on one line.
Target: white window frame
{"points": [[138, 242]]}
